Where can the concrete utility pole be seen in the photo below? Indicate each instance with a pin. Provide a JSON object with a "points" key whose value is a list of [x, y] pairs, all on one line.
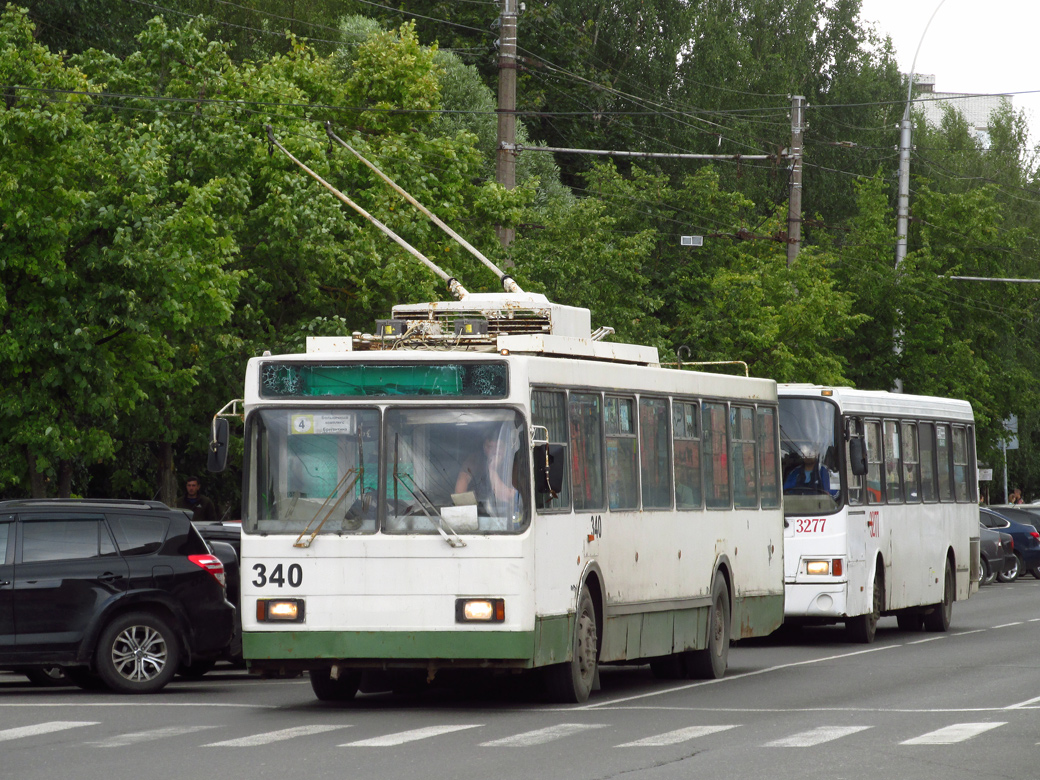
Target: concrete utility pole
{"points": [[794, 201], [505, 168]]}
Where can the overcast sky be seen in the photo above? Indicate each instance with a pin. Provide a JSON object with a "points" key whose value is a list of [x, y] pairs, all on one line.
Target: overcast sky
{"points": [[977, 46]]}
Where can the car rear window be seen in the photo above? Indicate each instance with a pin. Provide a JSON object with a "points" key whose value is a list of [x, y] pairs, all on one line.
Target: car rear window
{"points": [[136, 535]]}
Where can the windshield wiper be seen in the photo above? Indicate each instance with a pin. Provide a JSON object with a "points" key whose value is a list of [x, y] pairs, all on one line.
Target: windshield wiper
{"points": [[343, 493], [427, 506]]}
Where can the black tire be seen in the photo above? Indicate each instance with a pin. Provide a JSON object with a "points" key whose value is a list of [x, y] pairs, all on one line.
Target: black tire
{"points": [[942, 613], [47, 676], [986, 576], [863, 628], [137, 653], [571, 682], [710, 662], [1035, 571], [83, 678], [1013, 573], [343, 688]]}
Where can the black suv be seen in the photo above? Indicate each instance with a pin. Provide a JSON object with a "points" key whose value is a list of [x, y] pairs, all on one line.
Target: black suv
{"points": [[117, 592]]}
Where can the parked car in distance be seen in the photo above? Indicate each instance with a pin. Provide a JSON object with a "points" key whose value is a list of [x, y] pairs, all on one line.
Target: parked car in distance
{"points": [[1027, 542], [115, 593], [996, 553]]}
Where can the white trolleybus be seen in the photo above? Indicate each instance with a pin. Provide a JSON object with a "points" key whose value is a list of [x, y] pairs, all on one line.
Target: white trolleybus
{"points": [[881, 502], [486, 484]]}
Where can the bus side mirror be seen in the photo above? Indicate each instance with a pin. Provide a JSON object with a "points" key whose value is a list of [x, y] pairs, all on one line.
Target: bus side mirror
{"points": [[217, 460], [548, 469], [858, 456]]}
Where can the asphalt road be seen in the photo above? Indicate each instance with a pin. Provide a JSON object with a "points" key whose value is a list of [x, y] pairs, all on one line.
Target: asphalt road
{"points": [[800, 705]]}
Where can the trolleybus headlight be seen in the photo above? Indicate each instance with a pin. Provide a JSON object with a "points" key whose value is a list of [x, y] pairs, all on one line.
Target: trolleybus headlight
{"points": [[480, 610], [283, 610]]}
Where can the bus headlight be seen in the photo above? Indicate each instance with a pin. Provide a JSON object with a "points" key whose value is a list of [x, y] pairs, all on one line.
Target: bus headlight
{"points": [[280, 610], [824, 568], [480, 610]]}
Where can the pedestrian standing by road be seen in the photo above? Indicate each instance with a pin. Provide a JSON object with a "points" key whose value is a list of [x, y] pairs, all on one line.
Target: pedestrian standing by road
{"points": [[203, 509], [1016, 496]]}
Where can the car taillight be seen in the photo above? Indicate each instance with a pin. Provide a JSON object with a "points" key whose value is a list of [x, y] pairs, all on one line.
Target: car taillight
{"points": [[212, 564]]}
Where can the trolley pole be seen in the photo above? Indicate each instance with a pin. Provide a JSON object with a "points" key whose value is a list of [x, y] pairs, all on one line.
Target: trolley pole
{"points": [[505, 168]]}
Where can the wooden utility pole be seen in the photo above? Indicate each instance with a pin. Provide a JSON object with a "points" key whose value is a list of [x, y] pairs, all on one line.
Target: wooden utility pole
{"points": [[505, 168], [794, 201]]}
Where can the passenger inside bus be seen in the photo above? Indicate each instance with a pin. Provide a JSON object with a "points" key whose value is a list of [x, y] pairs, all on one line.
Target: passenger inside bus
{"points": [[490, 475], [810, 477]]}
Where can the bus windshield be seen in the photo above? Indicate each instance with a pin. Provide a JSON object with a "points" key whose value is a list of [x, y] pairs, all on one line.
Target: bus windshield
{"points": [[408, 471], [812, 481]]}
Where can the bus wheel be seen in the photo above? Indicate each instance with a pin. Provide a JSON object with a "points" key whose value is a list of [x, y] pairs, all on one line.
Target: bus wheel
{"points": [[862, 628], [710, 663], [939, 618], [572, 682], [342, 688]]}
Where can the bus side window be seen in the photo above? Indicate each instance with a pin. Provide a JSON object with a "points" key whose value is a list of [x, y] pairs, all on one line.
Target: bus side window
{"points": [[874, 455], [654, 453], [960, 463], [586, 450], [911, 462], [745, 478], [622, 453], [767, 452], [716, 458], [549, 409], [893, 479], [686, 441], [943, 469], [854, 431], [929, 485]]}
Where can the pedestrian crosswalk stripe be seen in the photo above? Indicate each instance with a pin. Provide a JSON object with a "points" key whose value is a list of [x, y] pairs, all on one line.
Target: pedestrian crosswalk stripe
{"points": [[274, 736], [43, 728], [816, 736], [124, 740], [409, 736], [541, 736], [958, 732], [677, 736]]}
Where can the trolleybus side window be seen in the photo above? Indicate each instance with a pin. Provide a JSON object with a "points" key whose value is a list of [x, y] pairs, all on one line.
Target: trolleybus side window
{"points": [[742, 431], [960, 463], [769, 469], [716, 468], [686, 434], [874, 460], [655, 453], [586, 450], [622, 453], [929, 487], [911, 462], [943, 469], [549, 409], [893, 481]]}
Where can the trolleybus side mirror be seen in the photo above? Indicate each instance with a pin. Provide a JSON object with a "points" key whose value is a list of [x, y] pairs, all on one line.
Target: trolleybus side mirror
{"points": [[217, 460], [858, 456], [548, 468]]}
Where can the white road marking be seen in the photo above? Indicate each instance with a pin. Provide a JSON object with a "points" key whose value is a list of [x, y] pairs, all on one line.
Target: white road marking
{"points": [[677, 688], [274, 736], [1023, 704], [922, 641], [44, 728], [1008, 625], [959, 732], [541, 736], [677, 736], [123, 740], [409, 736], [816, 736]]}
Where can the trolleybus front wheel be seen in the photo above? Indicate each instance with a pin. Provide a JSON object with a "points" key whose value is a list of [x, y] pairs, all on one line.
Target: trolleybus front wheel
{"points": [[342, 688], [942, 613], [572, 682]]}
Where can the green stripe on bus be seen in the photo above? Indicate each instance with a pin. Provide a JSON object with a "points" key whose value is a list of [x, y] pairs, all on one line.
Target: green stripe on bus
{"points": [[300, 645]]}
